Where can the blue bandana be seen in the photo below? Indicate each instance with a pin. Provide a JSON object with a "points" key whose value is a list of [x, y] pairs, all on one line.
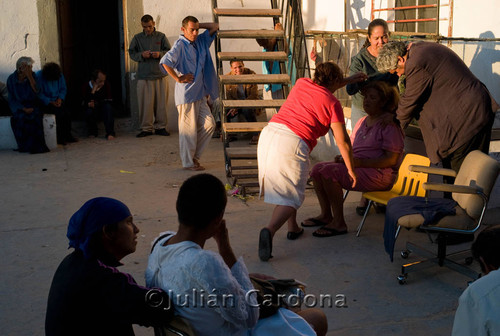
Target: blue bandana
{"points": [[91, 218]]}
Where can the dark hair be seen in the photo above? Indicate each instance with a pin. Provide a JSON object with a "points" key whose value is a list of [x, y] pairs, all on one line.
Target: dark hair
{"points": [[327, 73], [232, 61], [95, 73], [146, 18], [51, 71], [187, 19], [388, 94], [371, 26], [201, 199], [487, 246]]}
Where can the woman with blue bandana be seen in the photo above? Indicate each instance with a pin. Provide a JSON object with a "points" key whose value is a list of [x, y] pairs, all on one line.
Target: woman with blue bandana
{"points": [[88, 295]]}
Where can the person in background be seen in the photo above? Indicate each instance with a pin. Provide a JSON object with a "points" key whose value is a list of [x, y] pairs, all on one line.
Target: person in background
{"points": [[272, 91], [88, 294], [27, 118], [147, 48], [52, 93], [242, 92], [309, 112], [190, 64], [478, 308], [97, 101], [4, 100]]}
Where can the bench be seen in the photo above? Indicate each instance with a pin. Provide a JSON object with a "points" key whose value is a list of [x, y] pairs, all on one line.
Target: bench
{"points": [[8, 141]]}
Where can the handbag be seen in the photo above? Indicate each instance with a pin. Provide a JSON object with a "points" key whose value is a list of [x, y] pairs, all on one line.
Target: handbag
{"points": [[276, 293]]}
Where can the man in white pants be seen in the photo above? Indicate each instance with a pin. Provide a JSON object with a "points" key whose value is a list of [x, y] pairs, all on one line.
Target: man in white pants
{"points": [[190, 65]]}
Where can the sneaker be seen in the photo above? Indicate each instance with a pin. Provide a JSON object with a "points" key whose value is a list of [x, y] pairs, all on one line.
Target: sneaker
{"points": [[162, 131], [144, 134]]}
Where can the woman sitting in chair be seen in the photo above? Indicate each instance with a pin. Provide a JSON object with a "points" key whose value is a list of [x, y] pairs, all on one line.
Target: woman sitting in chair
{"points": [[213, 290], [378, 144]]}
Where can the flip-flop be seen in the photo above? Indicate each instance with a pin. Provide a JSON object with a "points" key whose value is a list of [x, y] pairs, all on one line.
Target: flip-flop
{"points": [[331, 232], [294, 235], [316, 222], [265, 244]]}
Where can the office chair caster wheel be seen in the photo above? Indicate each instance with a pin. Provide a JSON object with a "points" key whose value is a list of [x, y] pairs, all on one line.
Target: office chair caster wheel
{"points": [[402, 279], [469, 260], [405, 254]]}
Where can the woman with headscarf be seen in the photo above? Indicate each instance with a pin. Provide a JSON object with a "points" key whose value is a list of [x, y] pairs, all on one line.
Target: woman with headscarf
{"points": [[88, 295]]}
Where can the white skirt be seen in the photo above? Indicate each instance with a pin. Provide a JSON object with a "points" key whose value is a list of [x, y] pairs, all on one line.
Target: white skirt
{"points": [[283, 159]]}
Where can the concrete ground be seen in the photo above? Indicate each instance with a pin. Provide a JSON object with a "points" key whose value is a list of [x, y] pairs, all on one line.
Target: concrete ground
{"points": [[40, 193]]}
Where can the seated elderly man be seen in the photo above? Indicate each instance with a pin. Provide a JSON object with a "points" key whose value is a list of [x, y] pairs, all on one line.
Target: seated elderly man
{"points": [[27, 118], [242, 92]]}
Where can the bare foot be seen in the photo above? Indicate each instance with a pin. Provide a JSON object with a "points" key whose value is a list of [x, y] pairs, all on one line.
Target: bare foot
{"points": [[195, 168], [110, 137]]}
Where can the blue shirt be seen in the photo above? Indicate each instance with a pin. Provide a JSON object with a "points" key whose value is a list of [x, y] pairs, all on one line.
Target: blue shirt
{"points": [[193, 57], [49, 91], [21, 95], [266, 70]]}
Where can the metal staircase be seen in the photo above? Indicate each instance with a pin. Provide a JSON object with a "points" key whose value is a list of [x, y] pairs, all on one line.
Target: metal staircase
{"points": [[241, 161]]}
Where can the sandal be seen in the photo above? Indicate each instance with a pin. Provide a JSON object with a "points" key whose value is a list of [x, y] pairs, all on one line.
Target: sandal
{"points": [[330, 232], [294, 235], [316, 222]]}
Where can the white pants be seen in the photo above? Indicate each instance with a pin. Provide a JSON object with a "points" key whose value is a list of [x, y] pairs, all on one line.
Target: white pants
{"points": [[196, 126], [152, 97]]}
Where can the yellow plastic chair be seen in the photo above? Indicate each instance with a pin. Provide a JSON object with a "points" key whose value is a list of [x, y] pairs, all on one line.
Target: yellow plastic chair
{"points": [[408, 183]]}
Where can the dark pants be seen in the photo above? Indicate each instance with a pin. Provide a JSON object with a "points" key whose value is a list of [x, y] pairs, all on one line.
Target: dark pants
{"points": [[28, 131], [63, 122], [480, 141], [249, 115], [102, 111]]}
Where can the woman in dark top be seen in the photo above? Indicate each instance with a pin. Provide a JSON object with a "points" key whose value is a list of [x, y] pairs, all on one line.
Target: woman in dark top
{"points": [[88, 295]]}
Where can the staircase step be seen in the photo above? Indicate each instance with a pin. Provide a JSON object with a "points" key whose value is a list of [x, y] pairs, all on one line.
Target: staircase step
{"points": [[254, 56], [247, 153], [260, 103], [244, 167], [247, 12], [238, 176], [261, 33], [255, 79], [240, 127]]}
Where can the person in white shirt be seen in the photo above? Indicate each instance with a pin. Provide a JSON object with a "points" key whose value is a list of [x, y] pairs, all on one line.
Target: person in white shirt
{"points": [[212, 290], [479, 305]]}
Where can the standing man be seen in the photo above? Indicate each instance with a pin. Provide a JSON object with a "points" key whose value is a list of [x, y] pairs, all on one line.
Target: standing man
{"points": [[147, 48], [453, 108], [190, 65]]}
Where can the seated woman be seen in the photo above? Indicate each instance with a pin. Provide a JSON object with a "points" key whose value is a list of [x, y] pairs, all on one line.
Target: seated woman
{"points": [[27, 119], [378, 144], [52, 93], [211, 290], [88, 295]]}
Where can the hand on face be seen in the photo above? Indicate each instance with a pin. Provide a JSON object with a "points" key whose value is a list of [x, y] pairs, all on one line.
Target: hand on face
{"points": [[221, 234]]}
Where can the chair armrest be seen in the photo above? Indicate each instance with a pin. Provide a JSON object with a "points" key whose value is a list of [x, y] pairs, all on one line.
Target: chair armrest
{"points": [[432, 170], [451, 188]]}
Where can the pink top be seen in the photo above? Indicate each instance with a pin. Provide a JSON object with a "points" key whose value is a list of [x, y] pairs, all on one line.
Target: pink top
{"points": [[309, 110], [371, 142]]}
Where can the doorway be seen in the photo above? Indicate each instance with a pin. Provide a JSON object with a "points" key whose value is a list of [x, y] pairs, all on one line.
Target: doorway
{"points": [[91, 37]]}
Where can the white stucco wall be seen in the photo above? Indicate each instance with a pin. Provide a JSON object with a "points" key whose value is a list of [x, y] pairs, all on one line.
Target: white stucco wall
{"points": [[18, 34]]}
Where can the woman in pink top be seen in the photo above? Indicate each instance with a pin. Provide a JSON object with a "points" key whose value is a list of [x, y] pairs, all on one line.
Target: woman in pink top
{"points": [[309, 112], [378, 144]]}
